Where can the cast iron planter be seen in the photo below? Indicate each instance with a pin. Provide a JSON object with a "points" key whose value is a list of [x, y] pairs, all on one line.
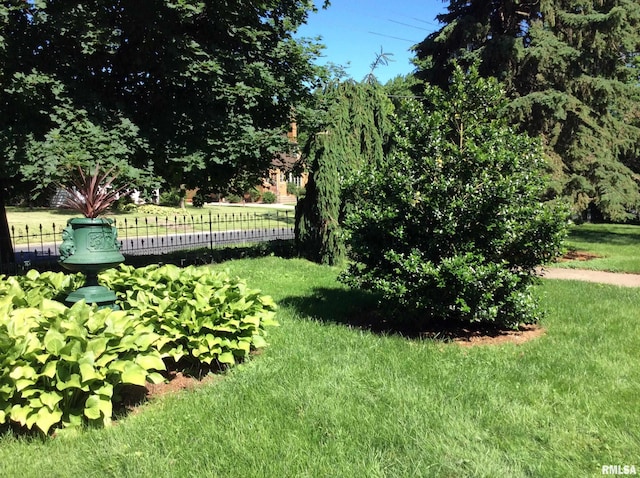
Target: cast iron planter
{"points": [[90, 246]]}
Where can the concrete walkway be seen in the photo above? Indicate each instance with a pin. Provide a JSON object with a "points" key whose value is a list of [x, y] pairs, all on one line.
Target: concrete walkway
{"points": [[621, 279]]}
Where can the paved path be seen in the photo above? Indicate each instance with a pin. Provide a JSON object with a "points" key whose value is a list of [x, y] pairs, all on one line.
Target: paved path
{"points": [[621, 279]]}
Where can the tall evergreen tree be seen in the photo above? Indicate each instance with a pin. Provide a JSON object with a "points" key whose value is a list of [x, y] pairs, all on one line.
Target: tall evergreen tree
{"points": [[353, 130], [571, 71]]}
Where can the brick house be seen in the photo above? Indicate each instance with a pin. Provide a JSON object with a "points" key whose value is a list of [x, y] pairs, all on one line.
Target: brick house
{"points": [[282, 173]]}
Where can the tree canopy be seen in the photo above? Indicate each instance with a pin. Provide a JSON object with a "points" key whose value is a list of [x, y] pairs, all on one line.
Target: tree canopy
{"points": [[193, 92], [198, 92], [571, 69]]}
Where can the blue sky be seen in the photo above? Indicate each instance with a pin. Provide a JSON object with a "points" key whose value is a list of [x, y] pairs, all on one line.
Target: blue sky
{"points": [[353, 31]]}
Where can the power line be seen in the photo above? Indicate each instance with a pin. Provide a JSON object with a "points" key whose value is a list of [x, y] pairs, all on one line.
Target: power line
{"points": [[410, 26], [395, 38]]}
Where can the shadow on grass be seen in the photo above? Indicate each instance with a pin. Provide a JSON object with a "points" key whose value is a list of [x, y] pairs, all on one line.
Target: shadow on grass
{"points": [[365, 311], [605, 236]]}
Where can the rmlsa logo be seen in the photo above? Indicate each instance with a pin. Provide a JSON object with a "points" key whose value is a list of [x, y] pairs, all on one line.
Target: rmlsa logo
{"points": [[618, 470]]}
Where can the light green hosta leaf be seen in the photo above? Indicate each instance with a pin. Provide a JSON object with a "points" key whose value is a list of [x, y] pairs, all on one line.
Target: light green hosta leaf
{"points": [[150, 362], [23, 371], [258, 341], [226, 357], [95, 407], [52, 308], [97, 346], [155, 377], [54, 341], [134, 374], [22, 321], [117, 322], [50, 399], [20, 413], [252, 320], [245, 346], [3, 417], [103, 389], [268, 302], [23, 383], [72, 351], [145, 340], [105, 359], [70, 381], [89, 373], [42, 358], [49, 369], [46, 418]]}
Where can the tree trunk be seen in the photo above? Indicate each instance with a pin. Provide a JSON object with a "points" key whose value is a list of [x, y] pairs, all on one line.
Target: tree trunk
{"points": [[6, 248]]}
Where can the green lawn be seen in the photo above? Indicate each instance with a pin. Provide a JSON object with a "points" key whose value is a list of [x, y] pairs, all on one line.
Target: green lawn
{"points": [[617, 245], [326, 399]]}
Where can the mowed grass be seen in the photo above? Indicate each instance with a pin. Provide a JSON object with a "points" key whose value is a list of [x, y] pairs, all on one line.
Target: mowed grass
{"points": [[329, 400], [616, 245]]}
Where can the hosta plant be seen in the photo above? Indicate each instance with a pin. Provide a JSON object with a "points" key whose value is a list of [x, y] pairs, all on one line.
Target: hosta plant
{"points": [[201, 315], [61, 366]]}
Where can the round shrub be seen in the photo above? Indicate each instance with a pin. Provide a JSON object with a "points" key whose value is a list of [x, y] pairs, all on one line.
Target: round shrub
{"points": [[268, 197], [453, 227]]}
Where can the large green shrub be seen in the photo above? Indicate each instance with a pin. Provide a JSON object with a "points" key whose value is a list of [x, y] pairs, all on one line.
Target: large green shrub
{"points": [[62, 367], [453, 226]]}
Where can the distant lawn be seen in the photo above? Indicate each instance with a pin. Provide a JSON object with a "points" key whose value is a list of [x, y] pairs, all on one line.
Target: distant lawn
{"points": [[330, 400], [617, 245]]}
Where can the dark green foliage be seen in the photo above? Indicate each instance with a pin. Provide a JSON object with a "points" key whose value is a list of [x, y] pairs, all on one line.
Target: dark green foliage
{"points": [[198, 200], [269, 197], [170, 198], [353, 132], [452, 227], [197, 93], [571, 72], [254, 195]]}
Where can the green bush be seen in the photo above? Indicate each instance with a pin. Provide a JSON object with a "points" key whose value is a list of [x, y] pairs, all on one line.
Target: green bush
{"points": [[234, 199], [63, 367], [160, 211], [198, 200], [293, 189], [268, 197], [254, 195], [452, 227], [170, 198]]}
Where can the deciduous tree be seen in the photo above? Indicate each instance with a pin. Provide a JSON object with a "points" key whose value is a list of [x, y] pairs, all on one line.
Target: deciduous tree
{"points": [[197, 92]]}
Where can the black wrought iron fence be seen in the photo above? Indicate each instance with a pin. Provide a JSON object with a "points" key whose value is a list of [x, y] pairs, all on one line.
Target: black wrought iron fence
{"points": [[138, 236]]}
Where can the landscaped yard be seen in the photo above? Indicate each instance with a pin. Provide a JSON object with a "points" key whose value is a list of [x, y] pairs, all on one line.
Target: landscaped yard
{"points": [[328, 399]]}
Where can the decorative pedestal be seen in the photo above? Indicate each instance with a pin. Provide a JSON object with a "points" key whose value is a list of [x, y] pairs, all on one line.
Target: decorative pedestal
{"points": [[90, 246]]}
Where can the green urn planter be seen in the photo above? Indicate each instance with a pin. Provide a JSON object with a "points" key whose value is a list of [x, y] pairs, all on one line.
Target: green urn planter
{"points": [[90, 246]]}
